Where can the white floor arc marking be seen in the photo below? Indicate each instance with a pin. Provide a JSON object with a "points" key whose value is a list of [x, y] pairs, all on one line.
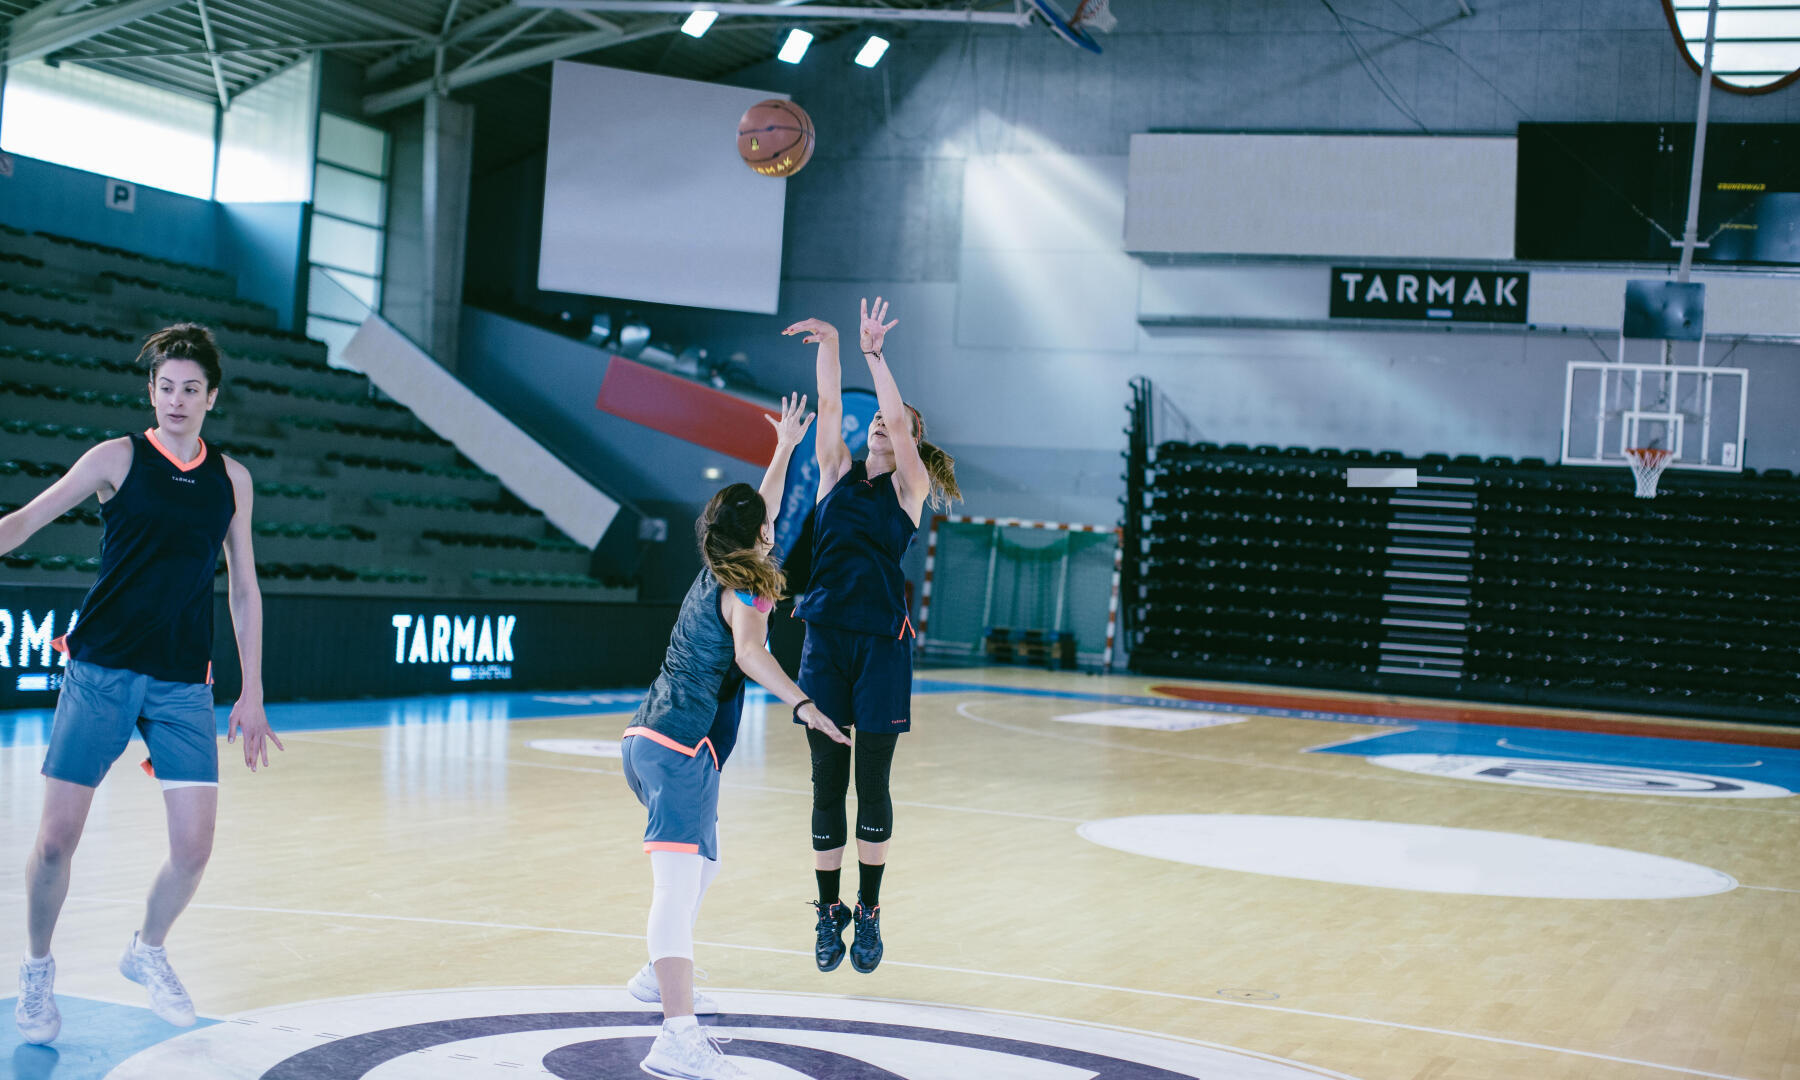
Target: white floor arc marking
{"points": [[1010, 976], [1507, 744], [1372, 776]]}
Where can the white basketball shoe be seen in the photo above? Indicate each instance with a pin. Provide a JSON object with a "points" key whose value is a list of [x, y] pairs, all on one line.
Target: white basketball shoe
{"points": [[36, 1012], [150, 968], [645, 988], [689, 1053]]}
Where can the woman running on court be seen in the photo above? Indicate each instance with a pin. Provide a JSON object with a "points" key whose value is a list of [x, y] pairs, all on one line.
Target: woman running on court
{"points": [[685, 729], [140, 656], [857, 660]]}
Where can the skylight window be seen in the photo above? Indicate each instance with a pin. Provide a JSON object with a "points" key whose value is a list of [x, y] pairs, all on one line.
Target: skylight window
{"points": [[1756, 46]]}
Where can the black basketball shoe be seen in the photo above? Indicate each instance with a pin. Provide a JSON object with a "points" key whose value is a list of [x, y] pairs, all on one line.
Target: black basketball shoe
{"points": [[829, 950], [865, 948]]}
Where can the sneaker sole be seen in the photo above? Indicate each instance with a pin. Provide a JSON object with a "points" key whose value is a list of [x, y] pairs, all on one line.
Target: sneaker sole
{"points": [[40, 1040]]}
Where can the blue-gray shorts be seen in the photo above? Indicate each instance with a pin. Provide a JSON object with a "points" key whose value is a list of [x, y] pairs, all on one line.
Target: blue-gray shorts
{"points": [[679, 785], [98, 708]]}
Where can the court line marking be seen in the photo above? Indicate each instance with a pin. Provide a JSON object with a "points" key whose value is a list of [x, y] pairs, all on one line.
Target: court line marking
{"points": [[1505, 745], [805, 793], [1767, 888], [962, 710], [945, 968]]}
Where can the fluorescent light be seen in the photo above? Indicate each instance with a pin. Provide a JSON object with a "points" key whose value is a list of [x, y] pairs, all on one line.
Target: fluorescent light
{"points": [[872, 51], [698, 23], [794, 47], [713, 472]]}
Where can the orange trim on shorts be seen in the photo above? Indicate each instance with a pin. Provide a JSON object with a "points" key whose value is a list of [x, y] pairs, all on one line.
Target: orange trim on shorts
{"points": [[188, 466], [149, 770], [670, 845], [61, 644], [906, 627], [660, 739]]}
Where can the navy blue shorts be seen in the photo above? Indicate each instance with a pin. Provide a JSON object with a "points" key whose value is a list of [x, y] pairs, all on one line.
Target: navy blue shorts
{"points": [[859, 680]]}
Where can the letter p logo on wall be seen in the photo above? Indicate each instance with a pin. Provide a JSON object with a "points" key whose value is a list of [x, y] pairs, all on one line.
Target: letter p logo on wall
{"points": [[121, 195]]}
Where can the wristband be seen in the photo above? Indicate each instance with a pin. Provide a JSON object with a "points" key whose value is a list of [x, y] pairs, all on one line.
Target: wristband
{"points": [[798, 706]]}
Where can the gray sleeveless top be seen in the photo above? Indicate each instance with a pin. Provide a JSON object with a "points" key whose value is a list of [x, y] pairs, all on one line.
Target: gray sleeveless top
{"points": [[685, 695]]}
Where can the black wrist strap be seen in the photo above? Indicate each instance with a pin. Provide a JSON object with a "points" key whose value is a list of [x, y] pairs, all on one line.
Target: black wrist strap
{"points": [[798, 706]]}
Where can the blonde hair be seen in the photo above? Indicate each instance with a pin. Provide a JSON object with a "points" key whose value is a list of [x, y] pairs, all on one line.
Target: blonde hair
{"points": [[728, 531], [938, 463]]}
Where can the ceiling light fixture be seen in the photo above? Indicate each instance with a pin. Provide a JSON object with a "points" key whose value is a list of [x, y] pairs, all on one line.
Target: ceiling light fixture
{"points": [[872, 51], [698, 23], [794, 47]]}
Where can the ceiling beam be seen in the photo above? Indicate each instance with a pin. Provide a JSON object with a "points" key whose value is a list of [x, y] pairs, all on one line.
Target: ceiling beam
{"points": [[212, 56], [361, 11], [389, 100], [47, 33], [413, 53], [237, 50], [781, 11]]}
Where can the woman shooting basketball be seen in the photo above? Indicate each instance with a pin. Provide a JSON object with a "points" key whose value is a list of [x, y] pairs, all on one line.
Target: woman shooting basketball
{"points": [[141, 656], [678, 742], [857, 660]]}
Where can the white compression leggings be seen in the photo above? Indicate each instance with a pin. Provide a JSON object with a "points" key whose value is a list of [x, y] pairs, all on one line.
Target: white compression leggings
{"points": [[681, 881]]}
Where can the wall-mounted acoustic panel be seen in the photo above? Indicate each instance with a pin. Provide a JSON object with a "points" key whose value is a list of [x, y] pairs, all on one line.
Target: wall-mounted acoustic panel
{"points": [[1366, 196]]}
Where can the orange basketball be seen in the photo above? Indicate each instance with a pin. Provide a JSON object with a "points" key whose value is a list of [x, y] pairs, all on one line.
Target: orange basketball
{"points": [[775, 137]]}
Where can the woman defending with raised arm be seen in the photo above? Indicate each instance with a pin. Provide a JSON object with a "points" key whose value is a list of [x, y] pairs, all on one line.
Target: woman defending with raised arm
{"points": [[683, 732], [857, 661]]}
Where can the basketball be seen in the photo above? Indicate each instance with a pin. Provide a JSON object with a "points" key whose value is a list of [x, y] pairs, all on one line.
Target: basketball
{"points": [[775, 138]]}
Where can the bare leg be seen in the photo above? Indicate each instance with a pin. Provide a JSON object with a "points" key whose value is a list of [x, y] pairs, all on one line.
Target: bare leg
{"points": [[192, 812], [47, 869], [873, 854], [829, 860]]}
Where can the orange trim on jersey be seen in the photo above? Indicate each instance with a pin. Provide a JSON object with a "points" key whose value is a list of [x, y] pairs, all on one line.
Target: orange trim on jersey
{"points": [[209, 673], [148, 770], [906, 627], [184, 466], [61, 644], [670, 845]]}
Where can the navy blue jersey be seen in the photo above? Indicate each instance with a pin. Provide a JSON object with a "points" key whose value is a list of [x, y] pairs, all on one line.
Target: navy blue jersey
{"points": [[151, 609], [860, 532], [699, 693]]}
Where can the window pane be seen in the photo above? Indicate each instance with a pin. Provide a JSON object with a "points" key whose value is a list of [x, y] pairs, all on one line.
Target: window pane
{"points": [[348, 194], [341, 243], [340, 295], [87, 119], [347, 142], [265, 140]]}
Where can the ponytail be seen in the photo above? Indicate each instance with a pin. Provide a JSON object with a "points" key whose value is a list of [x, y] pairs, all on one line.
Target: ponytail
{"points": [[940, 465], [728, 531]]}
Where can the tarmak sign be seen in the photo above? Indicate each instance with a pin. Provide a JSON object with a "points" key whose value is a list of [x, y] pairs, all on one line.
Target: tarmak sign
{"points": [[1428, 295]]}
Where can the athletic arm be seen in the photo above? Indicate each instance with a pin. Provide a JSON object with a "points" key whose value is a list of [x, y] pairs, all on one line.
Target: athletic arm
{"points": [[789, 430], [914, 480], [100, 471], [749, 632], [246, 623], [828, 445]]}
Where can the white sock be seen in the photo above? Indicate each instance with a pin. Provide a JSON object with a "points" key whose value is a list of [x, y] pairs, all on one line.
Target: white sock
{"points": [[37, 961], [680, 1023], [153, 950]]}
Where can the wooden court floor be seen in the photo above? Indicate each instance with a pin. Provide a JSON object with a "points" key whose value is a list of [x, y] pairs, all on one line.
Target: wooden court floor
{"points": [[1302, 885]]}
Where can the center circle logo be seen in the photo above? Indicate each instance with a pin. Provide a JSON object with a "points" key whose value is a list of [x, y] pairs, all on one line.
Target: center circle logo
{"points": [[588, 1033]]}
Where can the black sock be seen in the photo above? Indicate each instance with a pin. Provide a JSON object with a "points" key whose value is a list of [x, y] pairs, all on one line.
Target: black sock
{"points": [[868, 891], [828, 886]]}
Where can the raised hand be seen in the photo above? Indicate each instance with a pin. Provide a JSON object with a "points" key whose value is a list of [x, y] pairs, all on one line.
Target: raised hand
{"points": [[874, 330], [816, 330], [791, 428]]}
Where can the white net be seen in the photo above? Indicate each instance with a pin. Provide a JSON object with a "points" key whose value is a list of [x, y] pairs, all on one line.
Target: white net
{"points": [[1647, 464], [1094, 15], [1045, 579]]}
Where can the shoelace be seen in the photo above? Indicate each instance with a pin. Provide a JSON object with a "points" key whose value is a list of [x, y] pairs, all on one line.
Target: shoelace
{"points": [[35, 993], [158, 971]]}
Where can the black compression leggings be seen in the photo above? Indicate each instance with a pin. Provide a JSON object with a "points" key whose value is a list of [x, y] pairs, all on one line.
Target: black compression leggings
{"points": [[831, 782]]}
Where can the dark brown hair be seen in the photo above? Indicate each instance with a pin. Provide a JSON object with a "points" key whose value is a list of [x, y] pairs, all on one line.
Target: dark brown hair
{"points": [[184, 341], [728, 531], [939, 464]]}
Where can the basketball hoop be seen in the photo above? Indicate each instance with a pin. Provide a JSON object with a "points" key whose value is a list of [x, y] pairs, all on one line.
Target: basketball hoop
{"points": [[1095, 13], [1647, 464]]}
